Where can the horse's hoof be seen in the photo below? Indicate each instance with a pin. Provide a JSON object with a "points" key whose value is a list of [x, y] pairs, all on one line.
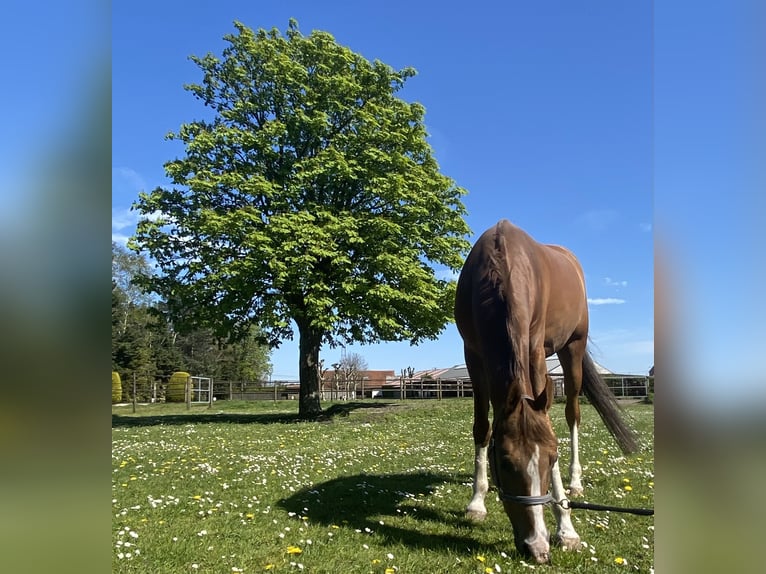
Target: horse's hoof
{"points": [[567, 542], [475, 515], [575, 491]]}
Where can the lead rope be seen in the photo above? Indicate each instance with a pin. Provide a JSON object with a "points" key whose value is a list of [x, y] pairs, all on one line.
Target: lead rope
{"points": [[567, 504]]}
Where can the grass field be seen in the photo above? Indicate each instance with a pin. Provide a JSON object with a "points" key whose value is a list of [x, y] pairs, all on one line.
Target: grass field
{"points": [[245, 487]]}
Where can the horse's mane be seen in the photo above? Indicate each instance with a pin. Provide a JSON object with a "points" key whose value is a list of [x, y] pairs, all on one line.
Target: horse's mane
{"points": [[498, 276]]}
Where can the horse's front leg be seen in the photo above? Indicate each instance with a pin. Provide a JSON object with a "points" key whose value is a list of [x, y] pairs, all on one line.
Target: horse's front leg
{"points": [[565, 536], [476, 509]]}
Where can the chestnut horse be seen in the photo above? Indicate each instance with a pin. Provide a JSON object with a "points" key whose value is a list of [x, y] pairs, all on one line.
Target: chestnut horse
{"points": [[519, 301]]}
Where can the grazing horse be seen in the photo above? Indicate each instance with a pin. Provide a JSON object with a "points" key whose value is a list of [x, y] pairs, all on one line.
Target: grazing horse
{"points": [[519, 301]]}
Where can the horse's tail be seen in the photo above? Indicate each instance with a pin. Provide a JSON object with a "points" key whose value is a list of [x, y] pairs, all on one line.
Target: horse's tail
{"points": [[603, 400]]}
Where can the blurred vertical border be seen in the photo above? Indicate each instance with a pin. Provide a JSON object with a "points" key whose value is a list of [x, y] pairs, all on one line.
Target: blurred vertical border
{"points": [[54, 286], [710, 199]]}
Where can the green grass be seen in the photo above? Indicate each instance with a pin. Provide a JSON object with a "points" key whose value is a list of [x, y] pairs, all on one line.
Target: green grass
{"points": [[373, 487]]}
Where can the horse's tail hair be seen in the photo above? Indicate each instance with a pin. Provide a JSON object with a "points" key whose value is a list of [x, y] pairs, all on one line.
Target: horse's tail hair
{"points": [[603, 400]]}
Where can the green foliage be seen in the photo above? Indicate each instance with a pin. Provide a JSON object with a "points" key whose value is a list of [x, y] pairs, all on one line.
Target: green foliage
{"points": [[116, 388], [243, 360], [146, 345], [176, 389], [312, 195]]}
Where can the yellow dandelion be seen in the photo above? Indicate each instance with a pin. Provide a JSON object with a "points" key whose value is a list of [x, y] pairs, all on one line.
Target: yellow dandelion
{"points": [[481, 558], [294, 550], [628, 488], [620, 560], [197, 497], [250, 515], [376, 561], [626, 480], [488, 570], [268, 567], [390, 571]]}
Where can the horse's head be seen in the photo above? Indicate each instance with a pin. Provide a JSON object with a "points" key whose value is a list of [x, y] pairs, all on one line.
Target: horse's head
{"points": [[522, 453]]}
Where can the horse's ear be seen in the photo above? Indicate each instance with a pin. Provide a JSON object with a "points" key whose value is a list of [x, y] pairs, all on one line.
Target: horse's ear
{"points": [[544, 400]]}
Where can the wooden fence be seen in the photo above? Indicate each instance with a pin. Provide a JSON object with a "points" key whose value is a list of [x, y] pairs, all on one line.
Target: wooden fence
{"points": [[204, 390]]}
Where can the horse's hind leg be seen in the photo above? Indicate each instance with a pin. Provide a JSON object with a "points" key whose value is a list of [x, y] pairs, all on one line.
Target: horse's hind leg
{"points": [[571, 363], [481, 435]]}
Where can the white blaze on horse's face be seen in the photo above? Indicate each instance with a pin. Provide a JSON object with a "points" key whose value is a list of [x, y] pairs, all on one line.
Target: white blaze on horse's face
{"points": [[537, 541], [528, 475]]}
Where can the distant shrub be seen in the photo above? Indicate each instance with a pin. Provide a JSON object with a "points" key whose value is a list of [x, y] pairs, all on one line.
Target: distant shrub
{"points": [[176, 392], [649, 400], [116, 388]]}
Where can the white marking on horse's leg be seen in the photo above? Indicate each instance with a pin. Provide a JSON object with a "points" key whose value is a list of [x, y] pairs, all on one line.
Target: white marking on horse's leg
{"points": [[476, 509], [566, 536], [537, 541], [575, 470]]}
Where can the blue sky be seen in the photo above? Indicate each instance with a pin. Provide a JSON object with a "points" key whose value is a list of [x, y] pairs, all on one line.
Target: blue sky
{"points": [[542, 111]]}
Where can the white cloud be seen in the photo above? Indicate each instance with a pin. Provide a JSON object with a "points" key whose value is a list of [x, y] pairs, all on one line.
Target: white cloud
{"points": [[122, 218], [120, 239], [127, 219], [598, 219], [131, 177], [156, 216], [612, 283], [605, 301]]}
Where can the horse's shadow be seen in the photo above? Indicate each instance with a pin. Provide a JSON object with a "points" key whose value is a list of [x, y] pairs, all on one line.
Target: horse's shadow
{"points": [[375, 503]]}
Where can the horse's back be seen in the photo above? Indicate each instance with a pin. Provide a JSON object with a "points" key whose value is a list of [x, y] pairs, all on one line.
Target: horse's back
{"points": [[566, 302], [542, 283], [497, 279]]}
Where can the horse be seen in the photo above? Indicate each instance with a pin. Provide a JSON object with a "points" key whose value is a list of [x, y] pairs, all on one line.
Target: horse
{"points": [[517, 302]]}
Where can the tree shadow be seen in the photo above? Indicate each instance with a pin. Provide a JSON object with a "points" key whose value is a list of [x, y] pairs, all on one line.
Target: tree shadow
{"points": [[327, 415], [362, 501]]}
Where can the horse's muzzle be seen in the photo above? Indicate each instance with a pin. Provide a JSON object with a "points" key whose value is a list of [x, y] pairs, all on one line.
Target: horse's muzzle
{"points": [[537, 548]]}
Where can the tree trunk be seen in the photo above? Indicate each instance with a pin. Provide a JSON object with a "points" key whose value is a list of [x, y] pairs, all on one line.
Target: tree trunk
{"points": [[308, 398]]}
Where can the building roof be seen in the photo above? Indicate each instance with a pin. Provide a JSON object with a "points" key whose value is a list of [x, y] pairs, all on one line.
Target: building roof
{"points": [[461, 371], [372, 379]]}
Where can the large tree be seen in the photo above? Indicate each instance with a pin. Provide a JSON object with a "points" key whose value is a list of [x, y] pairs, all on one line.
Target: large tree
{"points": [[308, 195]]}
